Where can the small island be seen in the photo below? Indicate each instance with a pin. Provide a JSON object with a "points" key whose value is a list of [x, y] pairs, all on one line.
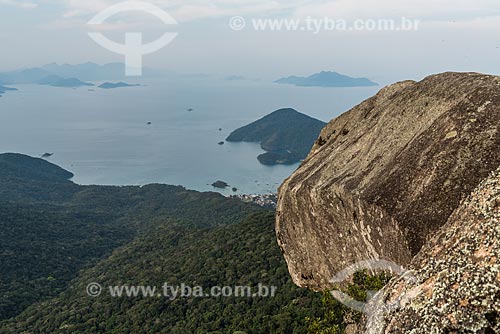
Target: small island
{"points": [[327, 79], [286, 134], [220, 185], [113, 85], [57, 81], [3, 90]]}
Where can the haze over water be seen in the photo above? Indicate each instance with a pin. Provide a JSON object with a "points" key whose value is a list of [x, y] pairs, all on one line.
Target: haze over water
{"points": [[102, 136]]}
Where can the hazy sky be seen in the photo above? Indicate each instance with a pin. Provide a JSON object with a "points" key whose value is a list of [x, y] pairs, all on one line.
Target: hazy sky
{"points": [[453, 35]]}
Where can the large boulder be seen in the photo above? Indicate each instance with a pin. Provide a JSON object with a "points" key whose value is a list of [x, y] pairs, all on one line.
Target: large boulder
{"points": [[456, 276], [385, 176]]}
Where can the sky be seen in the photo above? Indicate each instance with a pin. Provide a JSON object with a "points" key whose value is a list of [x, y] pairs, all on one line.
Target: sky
{"points": [[452, 35]]}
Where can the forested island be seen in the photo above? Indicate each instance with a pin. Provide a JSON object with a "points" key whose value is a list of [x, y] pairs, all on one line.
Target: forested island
{"points": [[286, 134]]}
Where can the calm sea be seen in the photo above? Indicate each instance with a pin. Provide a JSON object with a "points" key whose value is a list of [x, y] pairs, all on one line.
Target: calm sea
{"points": [[102, 136]]}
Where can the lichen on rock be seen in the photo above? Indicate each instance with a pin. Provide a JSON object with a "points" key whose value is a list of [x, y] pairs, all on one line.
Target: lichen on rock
{"points": [[457, 286]]}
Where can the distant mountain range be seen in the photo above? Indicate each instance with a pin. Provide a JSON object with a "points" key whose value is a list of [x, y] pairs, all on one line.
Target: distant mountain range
{"points": [[69, 75], [285, 134], [94, 72], [88, 71], [85, 72], [327, 79]]}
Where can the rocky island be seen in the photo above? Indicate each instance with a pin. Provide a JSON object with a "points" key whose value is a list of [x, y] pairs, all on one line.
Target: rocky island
{"points": [[57, 81], [113, 85], [220, 184], [327, 79], [6, 89], [285, 134]]}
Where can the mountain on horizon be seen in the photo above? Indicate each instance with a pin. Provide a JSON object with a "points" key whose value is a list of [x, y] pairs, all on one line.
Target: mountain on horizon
{"points": [[113, 85], [94, 72], [327, 79], [84, 72]]}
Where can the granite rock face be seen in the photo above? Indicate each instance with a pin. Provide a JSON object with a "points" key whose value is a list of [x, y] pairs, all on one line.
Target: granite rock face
{"points": [[386, 176], [456, 285]]}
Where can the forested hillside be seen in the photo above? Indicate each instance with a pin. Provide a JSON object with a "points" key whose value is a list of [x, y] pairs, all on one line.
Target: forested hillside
{"points": [[56, 237], [239, 254], [50, 228]]}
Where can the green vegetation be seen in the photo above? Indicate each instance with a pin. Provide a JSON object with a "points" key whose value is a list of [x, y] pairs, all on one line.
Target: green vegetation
{"points": [[242, 254], [56, 237], [335, 316], [285, 134], [362, 283], [332, 319], [50, 228]]}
